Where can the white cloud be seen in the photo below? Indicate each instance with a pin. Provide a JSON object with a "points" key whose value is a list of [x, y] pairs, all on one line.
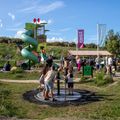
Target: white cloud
{"points": [[54, 33], [28, 9], [65, 29], [51, 7], [13, 29], [18, 33], [49, 21], [11, 15], [42, 9], [55, 39], [43, 21], [1, 24], [46, 21]]}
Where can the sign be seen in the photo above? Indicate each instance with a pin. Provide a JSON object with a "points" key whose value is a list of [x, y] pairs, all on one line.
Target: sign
{"points": [[29, 26], [87, 71], [80, 38]]}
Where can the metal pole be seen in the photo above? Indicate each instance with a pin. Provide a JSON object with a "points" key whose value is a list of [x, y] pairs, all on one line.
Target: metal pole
{"points": [[65, 89], [29, 67], [58, 87], [98, 41], [35, 31], [76, 46], [58, 83]]}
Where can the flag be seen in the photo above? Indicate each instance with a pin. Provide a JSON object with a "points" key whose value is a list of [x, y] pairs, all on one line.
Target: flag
{"points": [[101, 34], [80, 38]]}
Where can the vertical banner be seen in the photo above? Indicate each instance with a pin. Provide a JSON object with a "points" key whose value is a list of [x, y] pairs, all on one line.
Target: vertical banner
{"points": [[101, 34], [80, 38]]}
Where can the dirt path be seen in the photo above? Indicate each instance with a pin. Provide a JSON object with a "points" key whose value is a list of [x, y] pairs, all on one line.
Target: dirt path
{"points": [[19, 81], [116, 79]]}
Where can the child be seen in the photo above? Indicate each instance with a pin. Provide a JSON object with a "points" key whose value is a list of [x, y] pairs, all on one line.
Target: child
{"points": [[42, 77], [70, 82], [49, 83]]}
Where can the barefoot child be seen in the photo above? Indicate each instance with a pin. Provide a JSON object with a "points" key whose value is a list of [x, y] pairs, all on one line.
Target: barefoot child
{"points": [[42, 77], [49, 83], [70, 82]]}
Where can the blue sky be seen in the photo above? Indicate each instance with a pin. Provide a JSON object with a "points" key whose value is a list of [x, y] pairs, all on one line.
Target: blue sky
{"points": [[64, 17]]}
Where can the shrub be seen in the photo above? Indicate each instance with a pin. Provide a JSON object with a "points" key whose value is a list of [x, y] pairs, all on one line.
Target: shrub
{"points": [[102, 79], [18, 70], [99, 78], [108, 79]]}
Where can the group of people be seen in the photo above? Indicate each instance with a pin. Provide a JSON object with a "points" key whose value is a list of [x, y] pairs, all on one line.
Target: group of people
{"points": [[108, 62], [111, 65], [50, 74]]}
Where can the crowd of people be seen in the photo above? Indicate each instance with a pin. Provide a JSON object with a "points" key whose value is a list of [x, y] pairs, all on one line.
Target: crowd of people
{"points": [[50, 74], [109, 63]]}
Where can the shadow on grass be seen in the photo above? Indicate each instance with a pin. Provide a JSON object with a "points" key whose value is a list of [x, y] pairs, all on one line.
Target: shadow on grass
{"points": [[86, 98]]}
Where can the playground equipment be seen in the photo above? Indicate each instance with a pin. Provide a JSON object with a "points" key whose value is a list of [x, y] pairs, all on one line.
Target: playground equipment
{"points": [[29, 51], [34, 38]]}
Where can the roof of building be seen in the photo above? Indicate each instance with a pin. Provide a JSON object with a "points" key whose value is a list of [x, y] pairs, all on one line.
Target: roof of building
{"points": [[89, 53]]}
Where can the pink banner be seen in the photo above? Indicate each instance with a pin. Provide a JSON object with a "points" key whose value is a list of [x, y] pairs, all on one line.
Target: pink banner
{"points": [[80, 38]]}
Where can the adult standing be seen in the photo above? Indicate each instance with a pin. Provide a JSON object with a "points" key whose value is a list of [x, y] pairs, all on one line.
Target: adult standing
{"points": [[114, 63], [78, 61], [97, 62], [110, 62]]}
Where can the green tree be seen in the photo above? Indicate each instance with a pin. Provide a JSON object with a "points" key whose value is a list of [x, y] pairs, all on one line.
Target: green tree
{"points": [[112, 43]]}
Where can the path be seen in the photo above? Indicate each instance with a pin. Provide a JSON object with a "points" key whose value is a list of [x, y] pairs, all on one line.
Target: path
{"points": [[37, 81], [19, 81], [27, 81]]}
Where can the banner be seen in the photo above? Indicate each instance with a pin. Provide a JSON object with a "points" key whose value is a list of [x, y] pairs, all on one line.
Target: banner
{"points": [[80, 38], [101, 34]]}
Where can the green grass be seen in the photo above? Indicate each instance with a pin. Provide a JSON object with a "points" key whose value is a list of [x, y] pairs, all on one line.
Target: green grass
{"points": [[108, 109], [20, 76]]}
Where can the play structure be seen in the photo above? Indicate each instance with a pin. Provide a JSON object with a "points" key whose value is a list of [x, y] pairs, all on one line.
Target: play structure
{"points": [[35, 39], [29, 52]]}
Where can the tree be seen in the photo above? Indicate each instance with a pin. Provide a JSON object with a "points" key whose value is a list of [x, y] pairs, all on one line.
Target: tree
{"points": [[112, 43], [91, 45]]}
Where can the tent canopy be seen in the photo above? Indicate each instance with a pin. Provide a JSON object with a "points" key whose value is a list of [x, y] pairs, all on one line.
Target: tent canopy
{"points": [[89, 53]]}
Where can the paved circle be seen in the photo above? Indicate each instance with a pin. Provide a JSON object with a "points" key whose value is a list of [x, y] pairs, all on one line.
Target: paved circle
{"points": [[62, 97]]}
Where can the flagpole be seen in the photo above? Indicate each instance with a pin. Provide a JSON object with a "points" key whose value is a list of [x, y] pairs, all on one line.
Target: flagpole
{"points": [[98, 40]]}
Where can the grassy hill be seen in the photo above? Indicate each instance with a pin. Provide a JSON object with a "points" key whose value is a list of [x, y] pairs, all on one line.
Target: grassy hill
{"points": [[11, 52]]}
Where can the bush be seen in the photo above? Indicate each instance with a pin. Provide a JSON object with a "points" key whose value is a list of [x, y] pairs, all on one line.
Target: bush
{"points": [[18, 70], [108, 79], [102, 79]]}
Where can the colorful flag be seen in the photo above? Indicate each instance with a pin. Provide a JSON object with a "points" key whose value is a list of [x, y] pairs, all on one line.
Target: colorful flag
{"points": [[80, 38]]}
